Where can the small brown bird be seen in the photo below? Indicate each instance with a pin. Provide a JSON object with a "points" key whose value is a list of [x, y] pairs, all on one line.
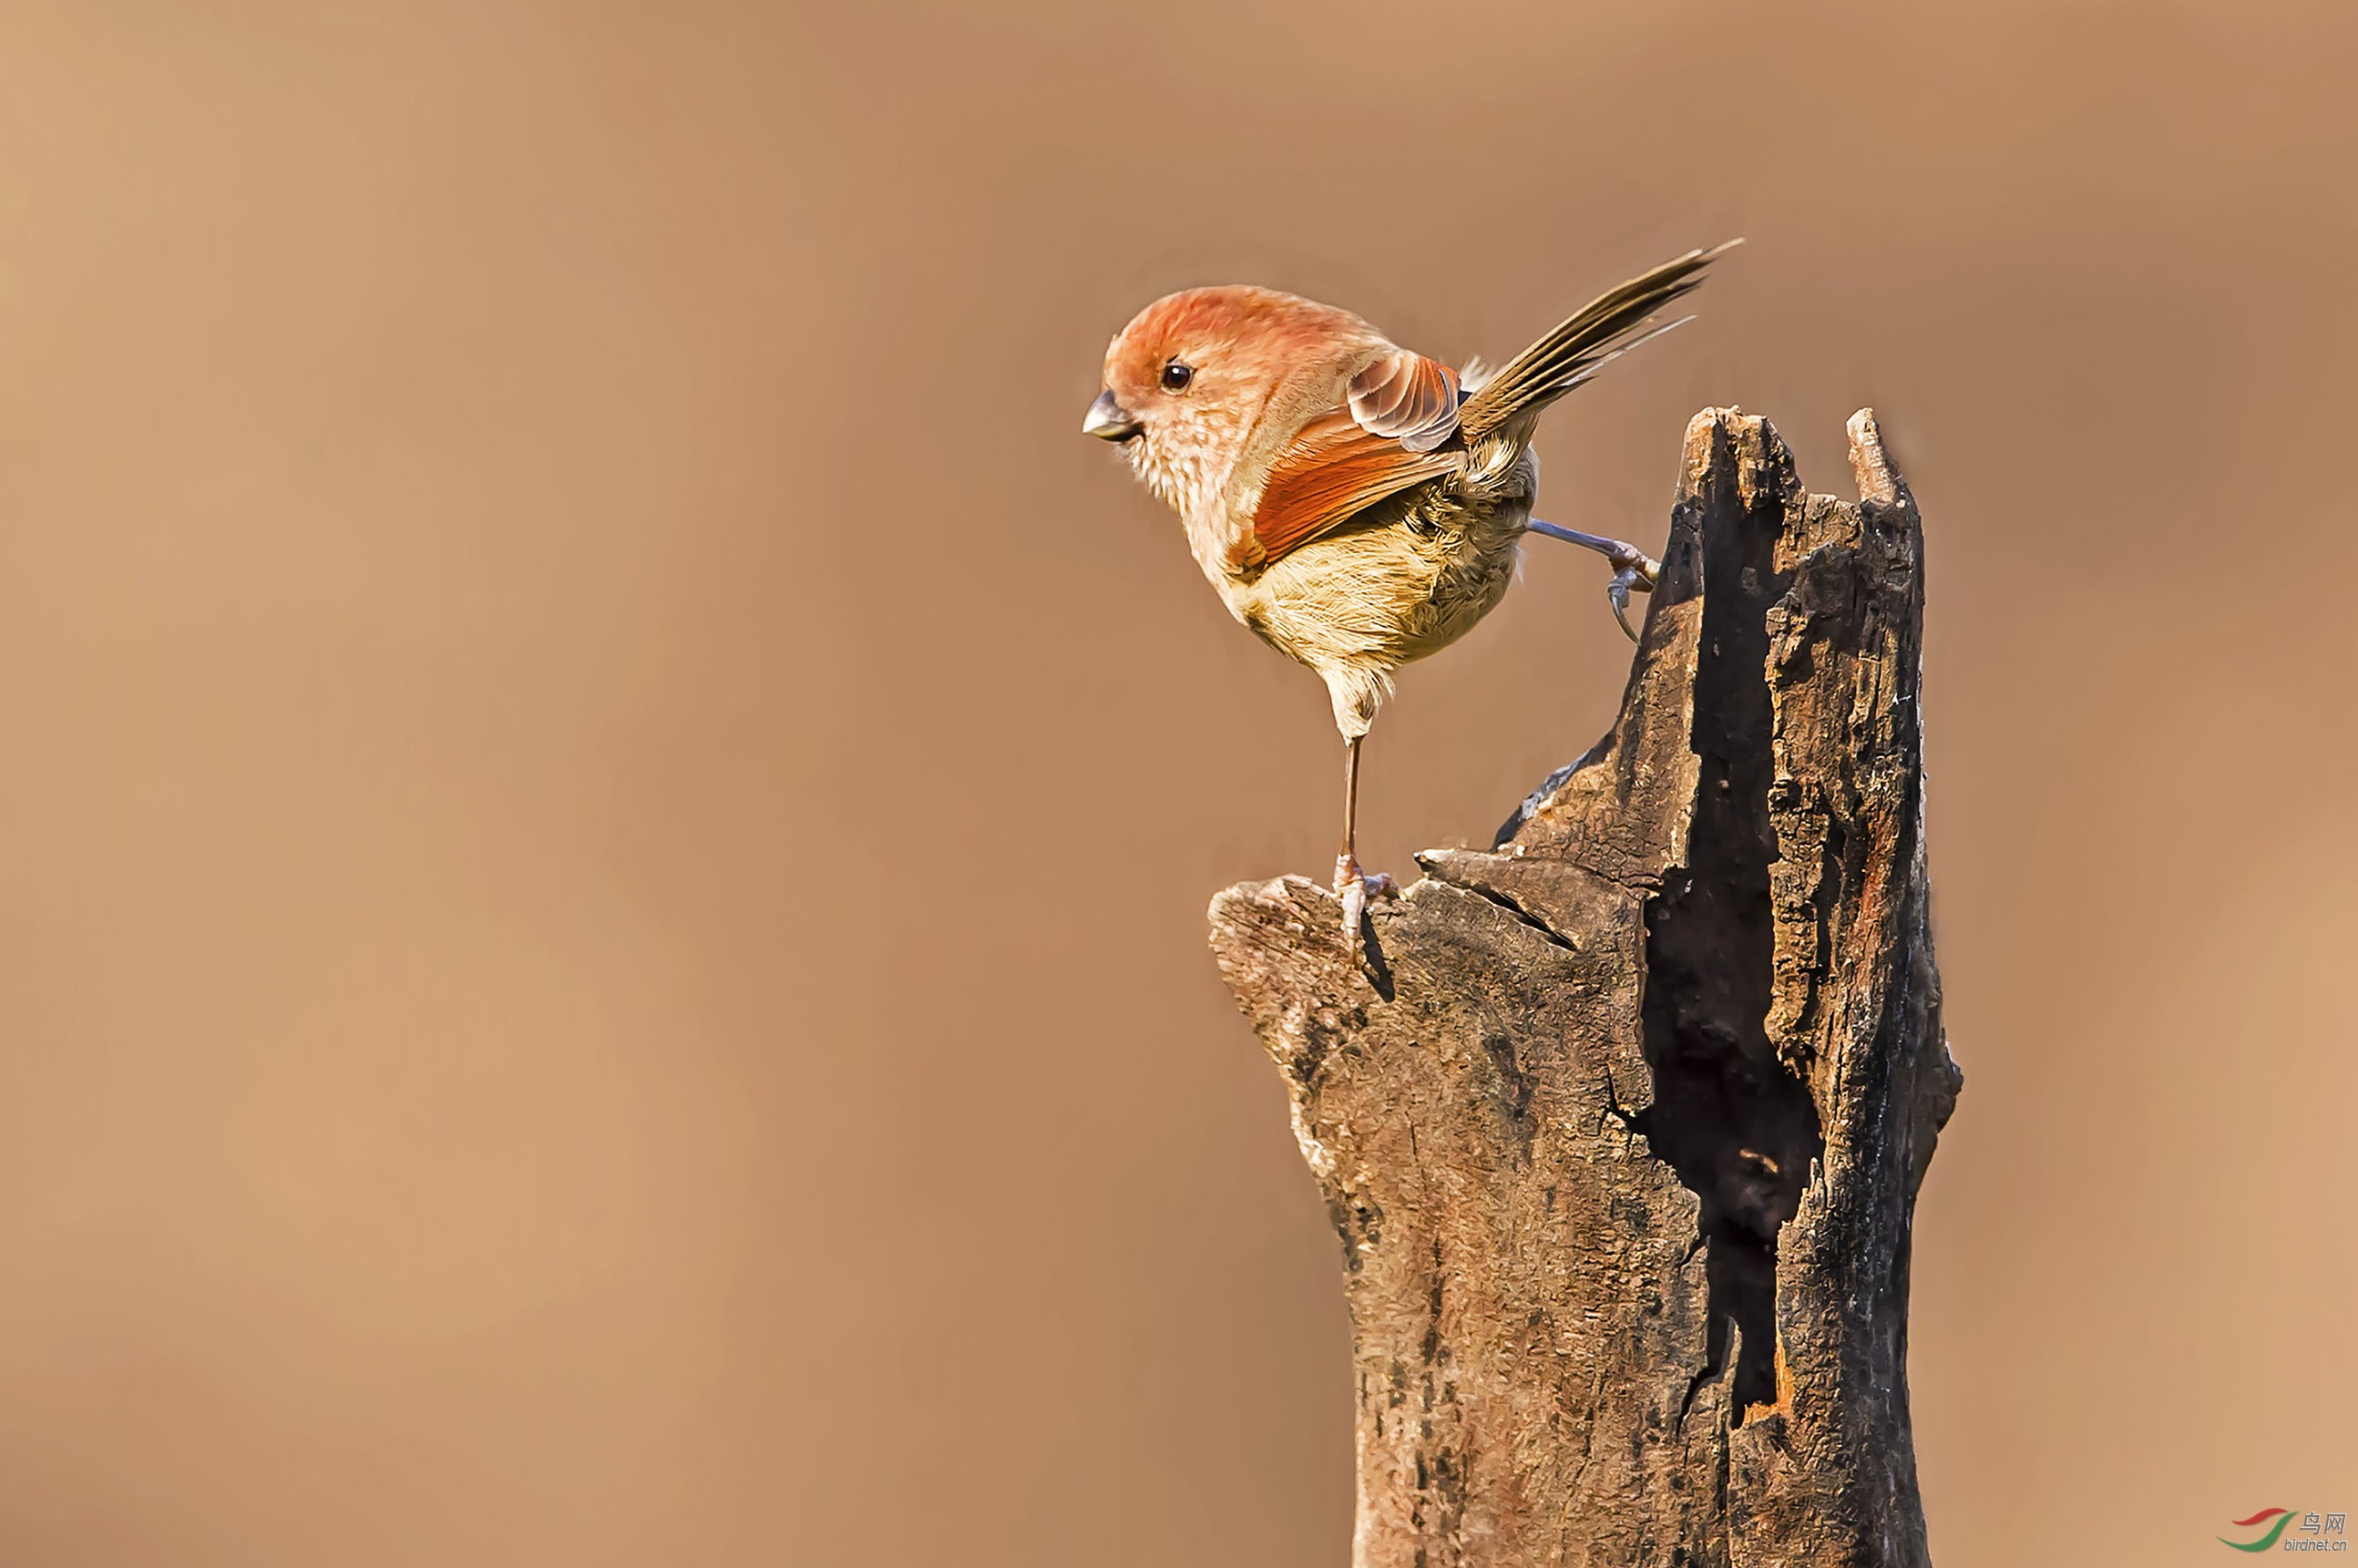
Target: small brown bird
{"points": [[1356, 504]]}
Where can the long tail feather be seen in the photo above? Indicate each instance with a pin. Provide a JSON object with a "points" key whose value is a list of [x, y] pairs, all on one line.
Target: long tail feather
{"points": [[1597, 333]]}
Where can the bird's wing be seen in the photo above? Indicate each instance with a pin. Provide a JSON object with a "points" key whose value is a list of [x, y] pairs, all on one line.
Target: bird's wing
{"points": [[1408, 398], [1335, 469]]}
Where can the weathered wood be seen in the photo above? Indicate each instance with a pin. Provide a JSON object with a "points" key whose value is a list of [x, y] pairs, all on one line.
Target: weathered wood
{"points": [[1623, 1122]]}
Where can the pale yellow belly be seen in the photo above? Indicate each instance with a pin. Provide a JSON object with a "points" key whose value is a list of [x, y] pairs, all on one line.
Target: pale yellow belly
{"points": [[1360, 602], [1379, 597]]}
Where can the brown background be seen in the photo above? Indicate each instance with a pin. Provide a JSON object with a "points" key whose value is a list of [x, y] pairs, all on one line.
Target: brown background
{"points": [[607, 811]]}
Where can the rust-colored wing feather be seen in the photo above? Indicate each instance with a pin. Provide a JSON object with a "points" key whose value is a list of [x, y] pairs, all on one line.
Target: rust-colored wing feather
{"points": [[1409, 397], [1336, 469]]}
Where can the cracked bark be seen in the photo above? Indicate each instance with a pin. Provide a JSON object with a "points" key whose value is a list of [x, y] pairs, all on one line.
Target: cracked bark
{"points": [[1623, 1122]]}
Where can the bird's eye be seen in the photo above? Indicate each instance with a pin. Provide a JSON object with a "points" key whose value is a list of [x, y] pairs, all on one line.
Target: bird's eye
{"points": [[1175, 376]]}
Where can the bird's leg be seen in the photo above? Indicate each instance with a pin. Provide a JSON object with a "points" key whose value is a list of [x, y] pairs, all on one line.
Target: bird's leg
{"points": [[1632, 568], [1352, 885]]}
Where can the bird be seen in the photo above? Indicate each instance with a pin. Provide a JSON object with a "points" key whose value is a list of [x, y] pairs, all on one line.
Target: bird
{"points": [[1356, 504]]}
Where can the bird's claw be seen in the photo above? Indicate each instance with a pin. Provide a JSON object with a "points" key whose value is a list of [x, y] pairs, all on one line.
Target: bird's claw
{"points": [[1356, 889], [1355, 909], [1618, 593], [1634, 570]]}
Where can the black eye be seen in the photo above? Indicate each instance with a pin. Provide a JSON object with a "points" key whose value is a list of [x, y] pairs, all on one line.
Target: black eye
{"points": [[1175, 376]]}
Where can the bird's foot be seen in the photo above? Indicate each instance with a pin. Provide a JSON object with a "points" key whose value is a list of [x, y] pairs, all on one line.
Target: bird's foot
{"points": [[1356, 888], [1639, 574], [1632, 568]]}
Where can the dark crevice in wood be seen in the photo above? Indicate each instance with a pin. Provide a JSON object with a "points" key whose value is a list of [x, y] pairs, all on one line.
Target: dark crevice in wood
{"points": [[1547, 933], [1736, 1124]]}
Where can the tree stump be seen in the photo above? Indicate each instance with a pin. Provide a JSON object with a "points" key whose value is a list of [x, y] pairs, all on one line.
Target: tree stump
{"points": [[1622, 1121]]}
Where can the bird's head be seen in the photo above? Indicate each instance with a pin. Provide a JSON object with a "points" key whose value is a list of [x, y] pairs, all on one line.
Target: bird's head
{"points": [[1202, 379]]}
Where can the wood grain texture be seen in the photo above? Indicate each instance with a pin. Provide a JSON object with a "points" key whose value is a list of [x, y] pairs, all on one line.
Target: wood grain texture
{"points": [[1622, 1124]]}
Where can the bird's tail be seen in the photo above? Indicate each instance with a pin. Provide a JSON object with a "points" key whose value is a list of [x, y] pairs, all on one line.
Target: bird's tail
{"points": [[1600, 332]]}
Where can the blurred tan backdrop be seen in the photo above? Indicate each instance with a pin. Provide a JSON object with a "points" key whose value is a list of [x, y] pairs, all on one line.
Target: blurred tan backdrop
{"points": [[607, 811]]}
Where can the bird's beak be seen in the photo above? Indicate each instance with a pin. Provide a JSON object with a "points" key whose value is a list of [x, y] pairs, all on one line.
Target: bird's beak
{"points": [[1109, 421]]}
